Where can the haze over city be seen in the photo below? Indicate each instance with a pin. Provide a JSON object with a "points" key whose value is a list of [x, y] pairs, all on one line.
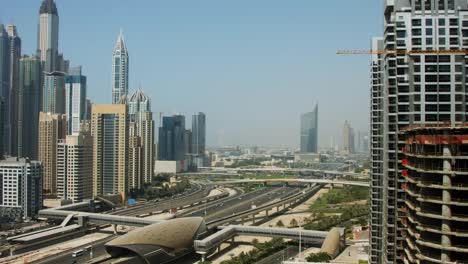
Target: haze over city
{"points": [[252, 66]]}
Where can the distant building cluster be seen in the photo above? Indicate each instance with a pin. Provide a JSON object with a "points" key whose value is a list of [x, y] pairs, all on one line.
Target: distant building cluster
{"points": [[55, 143]]}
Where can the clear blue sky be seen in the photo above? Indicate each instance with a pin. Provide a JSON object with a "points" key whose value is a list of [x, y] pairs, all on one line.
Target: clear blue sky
{"points": [[253, 66]]}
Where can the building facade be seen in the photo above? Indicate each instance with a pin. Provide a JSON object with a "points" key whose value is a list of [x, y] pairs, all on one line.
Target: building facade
{"points": [[29, 106], [418, 88], [110, 142], [21, 193], [53, 95], [52, 128], [141, 140], [171, 145], [11, 121], [309, 132], [199, 133], [5, 83], [75, 167], [348, 139], [120, 63], [75, 100], [48, 35]]}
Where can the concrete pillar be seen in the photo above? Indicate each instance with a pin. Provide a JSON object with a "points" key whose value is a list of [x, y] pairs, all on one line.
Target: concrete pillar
{"points": [[266, 212], [277, 208], [446, 209], [219, 248], [253, 219], [115, 229], [233, 239], [203, 257]]}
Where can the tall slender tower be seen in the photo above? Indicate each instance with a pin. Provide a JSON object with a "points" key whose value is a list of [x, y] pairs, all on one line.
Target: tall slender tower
{"points": [[141, 140], [52, 128], [120, 62], [109, 125], [11, 106], [75, 99], [48, 35], [309, 131], [415, 171], [29, 106]]}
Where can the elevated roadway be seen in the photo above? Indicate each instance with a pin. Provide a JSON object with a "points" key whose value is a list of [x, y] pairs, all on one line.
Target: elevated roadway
{"points": [[299, 181]]}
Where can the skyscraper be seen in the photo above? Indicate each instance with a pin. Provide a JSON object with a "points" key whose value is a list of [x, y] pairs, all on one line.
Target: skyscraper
{"points": [[141, 139], [75, 99], [75, 167], [348, 138], [48, 35], [171, 145], [21, 192], [199, 133], [417, 224], [109, 130], [120, 63], [11, 127], [309, 131], [5, 53], [53, 95], [29, 106], [52, 128]]}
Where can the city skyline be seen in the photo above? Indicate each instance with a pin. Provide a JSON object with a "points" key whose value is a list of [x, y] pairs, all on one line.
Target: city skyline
{"points": [[159, 59]]}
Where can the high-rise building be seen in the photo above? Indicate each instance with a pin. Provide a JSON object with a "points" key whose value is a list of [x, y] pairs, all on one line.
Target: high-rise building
{"points": [[75, 99], [48, 35], [29, 106], [379, 184], [2, 110], [52, 127], [11, 107], [75, 167], [348, 138], [53, 94], [120, 63], [110, 143], [309, 131], [198, 133], [21, 192], [5, 53], [171, 145], [141, 140], [417, 89]]}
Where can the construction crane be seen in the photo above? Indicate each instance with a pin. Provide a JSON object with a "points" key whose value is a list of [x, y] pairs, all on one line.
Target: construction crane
{"points": [[402, 52]]}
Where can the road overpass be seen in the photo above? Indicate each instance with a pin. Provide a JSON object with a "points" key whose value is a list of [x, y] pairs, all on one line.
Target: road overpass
{"points": [[236, 171], [297, 181]]}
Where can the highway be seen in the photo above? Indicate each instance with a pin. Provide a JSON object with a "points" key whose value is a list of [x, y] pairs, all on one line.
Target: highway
{"points": [[214, 210]]}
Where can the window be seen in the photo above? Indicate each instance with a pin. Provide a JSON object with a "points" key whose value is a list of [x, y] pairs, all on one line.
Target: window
{"points": [[441, 4], [454, 22], [429, 31], [441, 21], [451, 4], [441, 41], [416, 22], [416, 32], [441, 31], [453, 31], [428, 41], [429, 22], [417, 5], [427, 5]]}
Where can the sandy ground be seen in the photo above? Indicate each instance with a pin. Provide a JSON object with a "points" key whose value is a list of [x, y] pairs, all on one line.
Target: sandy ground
{"points": [[352, 254], [294, 213], [57, 249]]}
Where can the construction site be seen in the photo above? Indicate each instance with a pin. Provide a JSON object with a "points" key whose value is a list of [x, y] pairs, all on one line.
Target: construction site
{"points": [[435, 168]]}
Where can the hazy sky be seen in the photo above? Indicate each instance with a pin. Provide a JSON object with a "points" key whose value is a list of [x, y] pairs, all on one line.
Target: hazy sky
{"points": [[253, 66]]}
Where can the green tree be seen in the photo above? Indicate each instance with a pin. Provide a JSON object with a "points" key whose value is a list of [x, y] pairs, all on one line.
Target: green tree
{"points": [[318, 257], [280, 223], [293, 223]]}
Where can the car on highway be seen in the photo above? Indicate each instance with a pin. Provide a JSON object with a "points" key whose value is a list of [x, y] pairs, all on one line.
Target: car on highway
{"points": [[77, 253]]}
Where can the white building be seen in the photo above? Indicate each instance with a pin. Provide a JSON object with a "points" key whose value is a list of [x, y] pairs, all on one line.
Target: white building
{"points": [[21, 182], [75, 168]]}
